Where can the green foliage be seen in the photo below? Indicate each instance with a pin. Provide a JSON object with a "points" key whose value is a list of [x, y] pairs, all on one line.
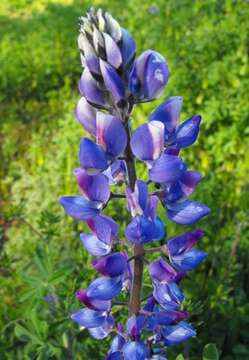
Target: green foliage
{"points": [[210, 352], [42, 261]]}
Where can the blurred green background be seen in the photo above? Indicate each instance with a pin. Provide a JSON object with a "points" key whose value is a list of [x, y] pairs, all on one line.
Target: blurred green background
{"points": [[42, 261]]}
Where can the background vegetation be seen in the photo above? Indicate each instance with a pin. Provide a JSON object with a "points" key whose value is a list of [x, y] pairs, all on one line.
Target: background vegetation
{"points": [[42, 260]]}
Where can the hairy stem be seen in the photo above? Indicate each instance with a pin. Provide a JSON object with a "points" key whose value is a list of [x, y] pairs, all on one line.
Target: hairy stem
{"points": [[138, 250]]}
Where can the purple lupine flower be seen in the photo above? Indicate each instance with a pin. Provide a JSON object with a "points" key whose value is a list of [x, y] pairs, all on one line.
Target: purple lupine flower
{"points": [[181, 254], [145, 226], [169, 114], [149, 76], [135, 350], [161, 271], [111, 265], [112, 82]]}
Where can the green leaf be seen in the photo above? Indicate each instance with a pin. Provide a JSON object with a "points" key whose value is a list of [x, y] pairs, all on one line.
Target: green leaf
{"points": [[180, 357], [210, 352]]}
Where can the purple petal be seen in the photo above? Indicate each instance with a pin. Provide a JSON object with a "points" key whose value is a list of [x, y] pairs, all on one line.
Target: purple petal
{"points": [[86, 115], [151, 209], [89, 88], [112, 265], [142, 230], [176, 334], [117, 343], [187, 133], [156, 75], [116, 172], [105, 288], [113, 53], [168, 113], [99, 305], [117, 355], [182, 243], [79, 207], [89, 318], [137, 199], [111, 134], [170, 317], [150, 304], [168, 295], [135, 325], [92, 157], [168, 168], [128, 48], [187, 212], [189, 260], [95, 246], [91, 59], [147, 141], [189, 181], [182, 188], [112, 81], [102, 331], [148, 77], [135, 350], [104, 227], [161, 271], [94, 187]]}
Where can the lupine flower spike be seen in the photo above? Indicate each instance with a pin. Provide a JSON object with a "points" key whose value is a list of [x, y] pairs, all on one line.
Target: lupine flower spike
{"points": [[112, 82]]}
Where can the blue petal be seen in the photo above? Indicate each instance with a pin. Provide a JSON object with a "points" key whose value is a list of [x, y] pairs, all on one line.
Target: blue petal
{"points": [[95, 246], [147, 141], [135, 325], [112, 81], [151, 209], [102, 331], [86, 115], [117, 343], [176, 334], [98, 305], [112, 265], [161, 271], [187, 212], [104, 227], [94, 187], [89, 318], [182, 188], [91, 59], [148, 76], [128, 48], [117, 355], [187, 132], [170, 317], [189, 260], [135, 350], [137, 199], [156, 76], [182, 243], [142, 230], [168, 113], [168, 295], [105, 288], [168, 168], [89, 88], [79, 207], [92, 157], [111, 134]]}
